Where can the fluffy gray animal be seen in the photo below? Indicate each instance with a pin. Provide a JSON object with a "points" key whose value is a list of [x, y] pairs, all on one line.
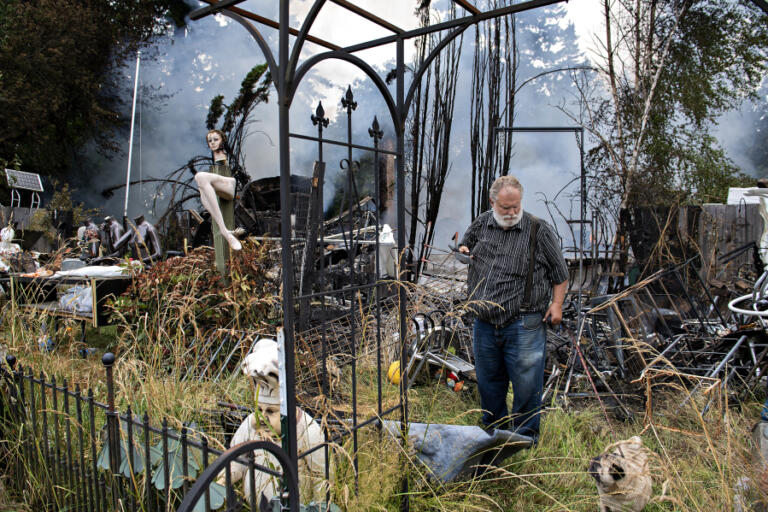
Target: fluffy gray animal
{"points": [[622, 476]]}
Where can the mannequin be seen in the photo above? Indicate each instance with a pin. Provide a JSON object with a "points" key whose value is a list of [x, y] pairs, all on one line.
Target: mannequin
{"points": [[143, 240], [113, 230], [90, 239], [262, 367], [213, 184]]}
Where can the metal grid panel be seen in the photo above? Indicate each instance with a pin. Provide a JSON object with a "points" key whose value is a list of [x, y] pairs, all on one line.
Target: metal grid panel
{"points": [[24, 180]]}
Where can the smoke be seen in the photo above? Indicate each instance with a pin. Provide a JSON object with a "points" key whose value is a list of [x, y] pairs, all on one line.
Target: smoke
{"points": [[207, 58], [543, 162], [737, 131], [211, 56]]}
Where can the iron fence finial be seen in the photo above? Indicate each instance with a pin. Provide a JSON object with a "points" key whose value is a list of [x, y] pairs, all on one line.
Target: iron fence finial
{"points": [[374, 130], [348, 101], [319, 117]]}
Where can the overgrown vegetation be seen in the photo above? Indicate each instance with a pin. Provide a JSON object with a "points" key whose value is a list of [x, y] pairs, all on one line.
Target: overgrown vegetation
{"points": [[60, 205], [695, 469], [179, 301], [699, 456]]}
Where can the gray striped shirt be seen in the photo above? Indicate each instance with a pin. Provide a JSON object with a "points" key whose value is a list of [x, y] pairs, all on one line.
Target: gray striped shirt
{"points": [[500, 264]]}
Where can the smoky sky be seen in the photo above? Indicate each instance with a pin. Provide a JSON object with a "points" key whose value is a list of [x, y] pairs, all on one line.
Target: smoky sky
{"points": [[211, 56]]}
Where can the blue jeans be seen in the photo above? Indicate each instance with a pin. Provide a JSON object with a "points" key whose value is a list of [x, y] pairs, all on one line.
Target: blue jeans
{"points": [[515, 353]]}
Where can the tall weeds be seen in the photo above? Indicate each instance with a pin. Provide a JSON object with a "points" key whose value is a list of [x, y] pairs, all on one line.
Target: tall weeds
{"points": [[700, 454]]}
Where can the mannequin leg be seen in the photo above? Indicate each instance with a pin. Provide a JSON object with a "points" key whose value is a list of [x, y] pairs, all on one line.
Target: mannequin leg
{"points": [[210, 185]]}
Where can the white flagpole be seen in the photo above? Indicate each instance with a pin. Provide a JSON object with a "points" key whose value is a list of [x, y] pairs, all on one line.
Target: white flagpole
{"points": [[130, 143]]}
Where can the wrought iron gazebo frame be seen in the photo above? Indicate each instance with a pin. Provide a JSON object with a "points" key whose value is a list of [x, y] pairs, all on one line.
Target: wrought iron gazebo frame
{"points": [[287, 73]]}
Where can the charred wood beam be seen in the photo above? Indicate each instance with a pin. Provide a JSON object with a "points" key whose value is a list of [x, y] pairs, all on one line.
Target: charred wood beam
{"points": [[466, 20], [468, 6]]}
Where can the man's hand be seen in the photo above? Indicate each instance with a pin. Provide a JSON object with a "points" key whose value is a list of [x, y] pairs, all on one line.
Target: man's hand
{"points": [[554, 314], [555, 311], [462, 255]]}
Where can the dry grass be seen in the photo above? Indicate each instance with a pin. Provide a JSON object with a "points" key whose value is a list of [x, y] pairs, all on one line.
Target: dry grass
{"points": [[695, 469], [700, 457]]}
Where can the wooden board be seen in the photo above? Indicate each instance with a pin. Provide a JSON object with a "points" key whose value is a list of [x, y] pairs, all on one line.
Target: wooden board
{"points": [[723, 228]]}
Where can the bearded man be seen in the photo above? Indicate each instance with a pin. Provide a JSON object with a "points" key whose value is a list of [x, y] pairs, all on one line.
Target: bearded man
{"points": [[517, 281]]}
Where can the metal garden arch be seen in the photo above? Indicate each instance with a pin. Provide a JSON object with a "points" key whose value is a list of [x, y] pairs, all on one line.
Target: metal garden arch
{"points": [[287, 75]]}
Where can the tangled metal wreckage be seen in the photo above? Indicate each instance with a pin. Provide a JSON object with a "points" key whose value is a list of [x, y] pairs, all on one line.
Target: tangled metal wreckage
{"points": [[696, 324], [671, 328], [675, 327]]}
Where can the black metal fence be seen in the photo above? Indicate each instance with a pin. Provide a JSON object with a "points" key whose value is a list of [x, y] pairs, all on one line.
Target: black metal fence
{"points": [[64, 450]]}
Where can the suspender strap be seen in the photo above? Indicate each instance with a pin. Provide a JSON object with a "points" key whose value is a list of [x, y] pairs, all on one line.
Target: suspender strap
{"points": [[531, 263]]}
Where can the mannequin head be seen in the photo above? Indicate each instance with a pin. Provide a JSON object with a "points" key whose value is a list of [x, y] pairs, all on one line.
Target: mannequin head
{"points": [[216, 140], [271, 414]]}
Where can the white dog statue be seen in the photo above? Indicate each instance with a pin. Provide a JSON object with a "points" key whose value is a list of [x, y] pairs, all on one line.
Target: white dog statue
{"points": [[262, 366]]}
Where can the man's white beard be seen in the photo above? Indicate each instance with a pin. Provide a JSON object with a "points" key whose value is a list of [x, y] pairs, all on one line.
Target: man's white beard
{"points": [[507, 221]]}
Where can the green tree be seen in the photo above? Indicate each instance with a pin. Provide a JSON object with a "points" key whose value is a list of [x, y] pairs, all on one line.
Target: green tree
{"points": [[670, 68], [666, 69], [56, 59]]}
